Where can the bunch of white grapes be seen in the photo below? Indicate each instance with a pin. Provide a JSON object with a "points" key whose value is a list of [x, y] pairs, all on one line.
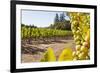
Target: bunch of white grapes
{"points": [[80, 25]]}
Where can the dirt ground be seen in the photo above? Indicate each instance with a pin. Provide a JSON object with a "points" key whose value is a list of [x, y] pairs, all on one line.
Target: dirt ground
{"points": [[56, 46]]}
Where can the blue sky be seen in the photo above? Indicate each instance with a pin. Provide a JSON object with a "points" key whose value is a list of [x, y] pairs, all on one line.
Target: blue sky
{"points": [[39, 18]]}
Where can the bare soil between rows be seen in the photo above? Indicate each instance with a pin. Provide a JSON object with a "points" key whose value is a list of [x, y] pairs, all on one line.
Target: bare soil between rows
{"points": [[34, 52]]}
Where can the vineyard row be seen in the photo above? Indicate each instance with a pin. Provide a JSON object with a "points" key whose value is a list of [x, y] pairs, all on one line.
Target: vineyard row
{"points": [[43, 33]]}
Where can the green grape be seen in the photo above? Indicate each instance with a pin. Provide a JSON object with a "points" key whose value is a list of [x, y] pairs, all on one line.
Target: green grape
{"points": [[78, 47], [84, 49], [86, 44], [78, 52], [82, 56], [78, 32], [75, 58], [87, 57], [78, 42], [74, 54]]}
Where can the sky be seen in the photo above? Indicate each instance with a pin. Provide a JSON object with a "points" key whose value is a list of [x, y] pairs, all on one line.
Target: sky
{"points": [[39, 18]]}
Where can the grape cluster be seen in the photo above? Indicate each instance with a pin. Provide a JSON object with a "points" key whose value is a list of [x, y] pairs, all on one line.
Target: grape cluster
{"points": [[80, 25]]}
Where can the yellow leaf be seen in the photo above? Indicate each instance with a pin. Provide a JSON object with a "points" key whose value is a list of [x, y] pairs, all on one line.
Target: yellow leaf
{"points": [[66, 55], [49, 55]]}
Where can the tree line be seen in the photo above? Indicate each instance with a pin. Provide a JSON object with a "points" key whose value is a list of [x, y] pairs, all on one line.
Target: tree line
{"points": [[61, 23]]}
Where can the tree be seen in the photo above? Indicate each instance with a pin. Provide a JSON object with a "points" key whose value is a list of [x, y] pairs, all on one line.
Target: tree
{"points": [[62, 17], [33, 26], [56, 18]]}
